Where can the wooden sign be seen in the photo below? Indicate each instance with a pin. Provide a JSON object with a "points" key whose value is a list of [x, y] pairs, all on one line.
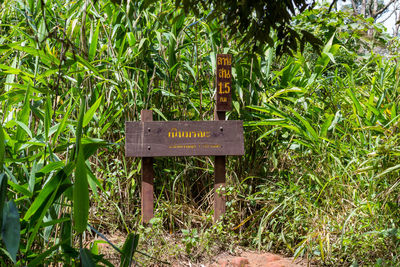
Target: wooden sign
{"points": [[219, 138], [184, 138], [224, 82]]}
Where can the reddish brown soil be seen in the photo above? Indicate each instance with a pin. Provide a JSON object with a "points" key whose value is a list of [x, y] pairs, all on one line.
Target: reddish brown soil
{"points": [[256, 259], [241, 258]]}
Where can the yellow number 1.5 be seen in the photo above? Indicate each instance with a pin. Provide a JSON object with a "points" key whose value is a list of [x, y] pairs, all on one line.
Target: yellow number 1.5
{"points": [[224, 90]]}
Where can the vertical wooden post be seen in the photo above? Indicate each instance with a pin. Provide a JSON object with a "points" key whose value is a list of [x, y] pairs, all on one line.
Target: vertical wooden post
{"points": [[147, 178], [223, 103], [219, 180]]}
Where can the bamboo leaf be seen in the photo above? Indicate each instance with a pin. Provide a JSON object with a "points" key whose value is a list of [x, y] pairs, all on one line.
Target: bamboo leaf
{"points": [[49, 187], [42, 212], [160, 113], [93, 182], [81, 195], [91, 145], [328, 45], [2, 149], [51, 167], [63, 122], [86, 258], [89, 114], [85, 63], [46, 58], [93, 42], [41, 257], [47, 117], [308, 126], [129, 249], [375, 111], [285, 91], [11, 227], [326, 124], [20, 189], [81, 187], [24, 127], [356, 103], [78, 132], [393, 112], [11, 76], [172, 61], [23, 115], [267, 133], [3, 194]]}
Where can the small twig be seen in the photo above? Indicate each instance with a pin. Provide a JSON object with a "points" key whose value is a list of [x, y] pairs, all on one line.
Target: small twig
{"points": [[331, 6]]}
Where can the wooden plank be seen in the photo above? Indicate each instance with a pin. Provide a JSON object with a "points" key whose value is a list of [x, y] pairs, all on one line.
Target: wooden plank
{"points": [[219, 179], [147, 179], [184, 138], [224, 82]]}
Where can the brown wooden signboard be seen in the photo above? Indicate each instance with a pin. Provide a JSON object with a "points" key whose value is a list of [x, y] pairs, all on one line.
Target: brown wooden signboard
{"points": [[184, 138], [219, 138], [224, 82]]}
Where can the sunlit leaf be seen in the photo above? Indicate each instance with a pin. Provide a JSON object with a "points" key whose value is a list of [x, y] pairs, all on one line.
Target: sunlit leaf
{"points": [[89, 114]]}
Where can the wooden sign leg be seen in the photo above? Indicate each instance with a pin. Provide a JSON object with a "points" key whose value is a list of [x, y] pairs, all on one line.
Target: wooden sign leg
{"points": [[147, 179], [219, 180]]}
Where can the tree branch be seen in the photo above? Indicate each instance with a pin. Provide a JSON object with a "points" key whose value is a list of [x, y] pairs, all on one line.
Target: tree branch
{"points": [[354, 6], [332, 4], [363, 7], [388, 16], [383, 9]]}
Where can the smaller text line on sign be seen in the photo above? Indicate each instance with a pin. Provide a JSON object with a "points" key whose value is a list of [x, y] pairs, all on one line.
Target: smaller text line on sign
{"points": [[224, 82], [184, 138]]}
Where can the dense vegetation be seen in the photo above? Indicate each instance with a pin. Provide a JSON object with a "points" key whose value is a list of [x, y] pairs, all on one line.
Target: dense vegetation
{"points": [[320, 177]]}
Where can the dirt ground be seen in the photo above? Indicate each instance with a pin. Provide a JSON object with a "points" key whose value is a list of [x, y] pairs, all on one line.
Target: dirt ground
{"points": [[256, 259], [242, 258]]}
